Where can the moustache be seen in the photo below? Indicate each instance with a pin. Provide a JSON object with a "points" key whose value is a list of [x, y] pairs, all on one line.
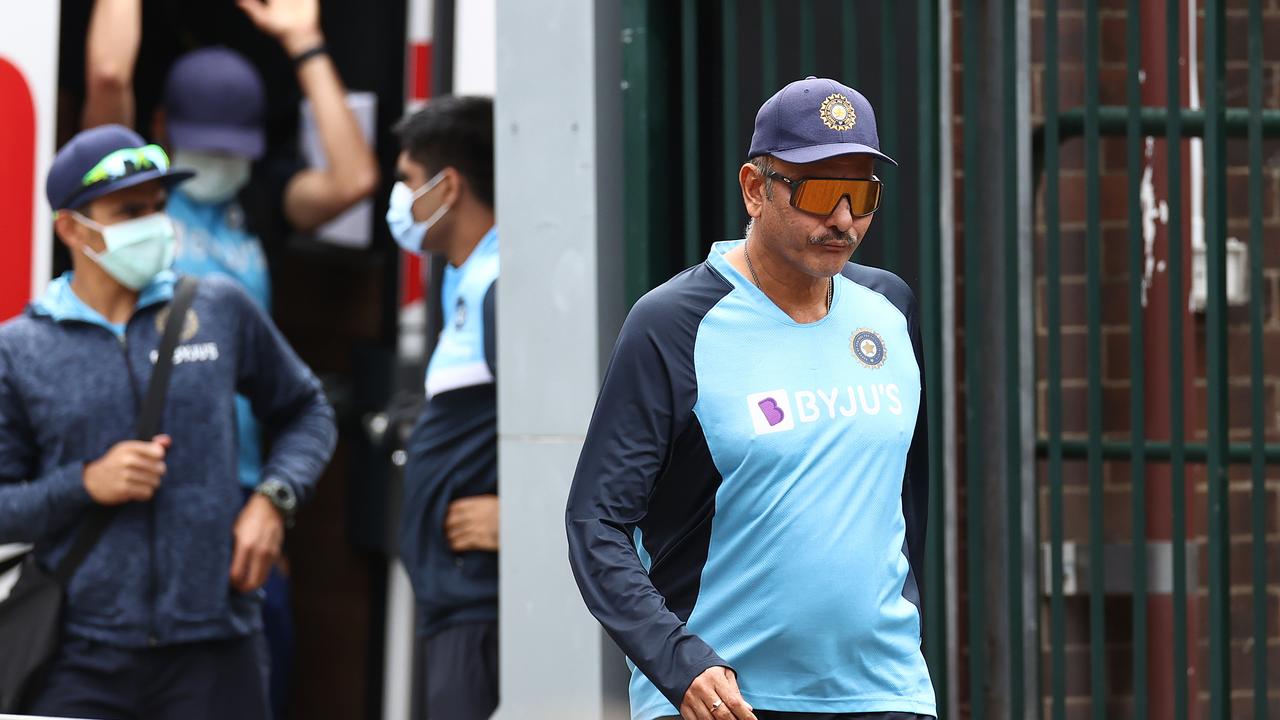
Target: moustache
{"points": [[849, 239]]}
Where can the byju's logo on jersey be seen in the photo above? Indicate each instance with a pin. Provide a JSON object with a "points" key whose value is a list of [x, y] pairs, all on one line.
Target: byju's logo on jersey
{"points": [[770, 411], [781, 410]]}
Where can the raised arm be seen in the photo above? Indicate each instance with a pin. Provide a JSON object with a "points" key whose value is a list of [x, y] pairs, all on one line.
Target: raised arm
{"points": [[111, 51], [316, 196]]}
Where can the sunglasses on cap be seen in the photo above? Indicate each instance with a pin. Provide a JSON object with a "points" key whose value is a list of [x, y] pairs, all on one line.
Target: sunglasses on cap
{"points": [[125, 162], [821, 195]]}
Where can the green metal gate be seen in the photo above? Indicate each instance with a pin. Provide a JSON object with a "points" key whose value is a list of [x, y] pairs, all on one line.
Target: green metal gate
{"points": [[1078, 483]]}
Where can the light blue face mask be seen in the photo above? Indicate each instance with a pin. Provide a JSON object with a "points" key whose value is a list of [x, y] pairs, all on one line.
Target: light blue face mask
{"points": [[409, 233], [137, 250]]}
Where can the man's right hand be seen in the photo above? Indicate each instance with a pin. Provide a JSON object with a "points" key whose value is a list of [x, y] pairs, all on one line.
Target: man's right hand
{"points": [[714, 695], [129, 472]]}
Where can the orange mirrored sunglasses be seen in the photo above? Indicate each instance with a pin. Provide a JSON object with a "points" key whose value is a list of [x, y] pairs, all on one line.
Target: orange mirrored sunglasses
{"points": [[820, 195]]}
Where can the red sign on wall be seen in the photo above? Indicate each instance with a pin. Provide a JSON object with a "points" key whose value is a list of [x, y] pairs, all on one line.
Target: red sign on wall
{"points": [[17, 188]]}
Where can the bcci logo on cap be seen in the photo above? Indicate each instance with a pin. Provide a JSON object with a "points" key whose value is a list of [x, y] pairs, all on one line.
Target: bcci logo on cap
{"points": [[837, 112], [770, 412]]}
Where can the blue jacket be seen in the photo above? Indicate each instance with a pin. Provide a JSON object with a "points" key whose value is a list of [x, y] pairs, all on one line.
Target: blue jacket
{"points": [[453, 451], [70, 388]]}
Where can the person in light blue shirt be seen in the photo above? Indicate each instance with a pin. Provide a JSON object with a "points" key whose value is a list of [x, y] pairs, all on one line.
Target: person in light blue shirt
{"points": [[747, 516]]}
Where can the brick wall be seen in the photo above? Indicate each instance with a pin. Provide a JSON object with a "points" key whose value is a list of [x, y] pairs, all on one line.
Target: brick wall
{"points": [[1117, 381]]}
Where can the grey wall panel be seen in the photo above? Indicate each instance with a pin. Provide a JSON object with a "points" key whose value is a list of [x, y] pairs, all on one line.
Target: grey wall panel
{"points": [[558, 122]]}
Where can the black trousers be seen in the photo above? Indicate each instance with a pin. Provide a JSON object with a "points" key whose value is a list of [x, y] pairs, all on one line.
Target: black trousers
{"points": [[460, 672], [209, 680]]}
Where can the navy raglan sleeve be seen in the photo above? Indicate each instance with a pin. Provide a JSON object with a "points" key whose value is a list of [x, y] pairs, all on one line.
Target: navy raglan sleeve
{"points": [[286, 397], [915, 483], [31, 508], [491, 328], [625, 452]]}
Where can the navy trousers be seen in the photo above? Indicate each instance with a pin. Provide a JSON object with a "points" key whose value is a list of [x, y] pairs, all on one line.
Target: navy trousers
{"points": [[460, 672], [198, 681]]}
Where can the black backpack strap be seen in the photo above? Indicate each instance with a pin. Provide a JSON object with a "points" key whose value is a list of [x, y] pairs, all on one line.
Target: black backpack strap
{"points": [[99, 517], [12, 562]]}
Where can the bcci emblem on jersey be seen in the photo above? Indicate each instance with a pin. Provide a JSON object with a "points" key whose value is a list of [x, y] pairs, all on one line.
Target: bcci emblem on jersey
{"points": [[868, 347], [190, 326]]}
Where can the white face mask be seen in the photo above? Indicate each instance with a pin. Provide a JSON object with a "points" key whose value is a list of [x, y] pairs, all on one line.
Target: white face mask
{"points": [[408, 233], [219, 176]]}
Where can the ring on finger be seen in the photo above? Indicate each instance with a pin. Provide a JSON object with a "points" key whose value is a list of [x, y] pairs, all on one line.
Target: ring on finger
{"points": [[716, 705]]}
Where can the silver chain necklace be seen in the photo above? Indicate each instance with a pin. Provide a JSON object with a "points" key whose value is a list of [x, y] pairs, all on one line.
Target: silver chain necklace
{"points": [[831, 287]]}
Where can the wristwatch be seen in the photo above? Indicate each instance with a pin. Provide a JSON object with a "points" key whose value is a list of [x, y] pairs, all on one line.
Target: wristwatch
{"points": [[281, 496]]}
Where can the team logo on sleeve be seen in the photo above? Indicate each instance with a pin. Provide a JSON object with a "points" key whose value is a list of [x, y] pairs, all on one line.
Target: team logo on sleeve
{"points": [[868, 347], [770, 411]]}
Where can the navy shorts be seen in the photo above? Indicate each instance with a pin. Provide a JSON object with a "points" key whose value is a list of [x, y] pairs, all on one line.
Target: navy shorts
{"points": [[209, 680], [460, 672]]}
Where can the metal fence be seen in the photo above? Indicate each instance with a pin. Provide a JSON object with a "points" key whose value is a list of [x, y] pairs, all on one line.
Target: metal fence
{"points": [[1015, 602]]}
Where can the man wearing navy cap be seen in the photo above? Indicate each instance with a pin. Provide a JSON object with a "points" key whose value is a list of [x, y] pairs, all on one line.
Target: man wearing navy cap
{"points": [[162, 619], [747, 516], [214, 118]]}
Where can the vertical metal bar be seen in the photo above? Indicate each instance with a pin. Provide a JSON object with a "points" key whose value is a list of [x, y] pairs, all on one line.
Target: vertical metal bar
{"points": [[935, 630], [1012, 354], [974, 314], [849, 50], [889, 217], [730, 113], [635, 103], [1053, 318], [635, 98], [1177, 303], [1216, 347], [808, 39], [1137, 375], [1097, 596], [1258, 428], [769, 47], [689, 124]]}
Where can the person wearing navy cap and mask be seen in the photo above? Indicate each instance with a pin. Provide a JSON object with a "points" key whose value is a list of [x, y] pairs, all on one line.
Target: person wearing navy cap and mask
{"points": [[747, 519], [213, 117], [162, 618]]}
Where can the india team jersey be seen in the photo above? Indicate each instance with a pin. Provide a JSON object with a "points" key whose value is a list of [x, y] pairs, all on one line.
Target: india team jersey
{"points": [[460, 358], [752, 493]]}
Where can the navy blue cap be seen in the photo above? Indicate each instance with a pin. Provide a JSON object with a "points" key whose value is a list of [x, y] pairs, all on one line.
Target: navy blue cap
{"points": [[215, 100], [65, 186], [814, 119]]}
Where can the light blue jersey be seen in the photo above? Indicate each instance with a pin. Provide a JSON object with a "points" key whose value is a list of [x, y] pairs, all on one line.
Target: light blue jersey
{"points": [[772, 476], [460, 358]]}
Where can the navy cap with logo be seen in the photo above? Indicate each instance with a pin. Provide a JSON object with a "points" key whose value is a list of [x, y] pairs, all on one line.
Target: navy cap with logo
{"points": [[215, 101], [815, 119], [102, 160]]}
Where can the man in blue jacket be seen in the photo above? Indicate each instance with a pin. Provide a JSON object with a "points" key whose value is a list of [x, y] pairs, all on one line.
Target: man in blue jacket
{"points": [[162, 619], [443, 203]]}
